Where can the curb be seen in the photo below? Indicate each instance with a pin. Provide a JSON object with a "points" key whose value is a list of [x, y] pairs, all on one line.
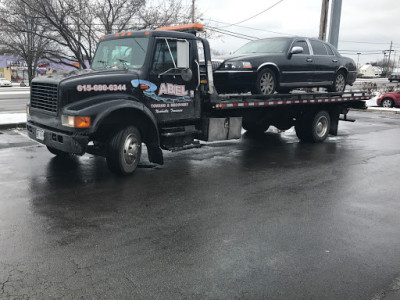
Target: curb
{"points": [[377, 110], [12, 125]]}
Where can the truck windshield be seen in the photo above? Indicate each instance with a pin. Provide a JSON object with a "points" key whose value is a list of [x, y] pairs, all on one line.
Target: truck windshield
{"points": [[265, 46], [121, 53]]}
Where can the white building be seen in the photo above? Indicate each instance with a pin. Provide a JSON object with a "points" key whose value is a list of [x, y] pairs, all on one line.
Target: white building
{"points": [[370, 71]]}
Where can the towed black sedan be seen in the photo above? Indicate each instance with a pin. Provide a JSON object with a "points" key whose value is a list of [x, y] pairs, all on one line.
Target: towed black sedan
{"points": [[282, 64]]}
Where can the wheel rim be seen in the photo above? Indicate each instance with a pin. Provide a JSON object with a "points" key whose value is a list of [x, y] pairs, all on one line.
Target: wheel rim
{"points": [[340, 83], [131, 149], [386, 103], [322, 126], [267, 83]]}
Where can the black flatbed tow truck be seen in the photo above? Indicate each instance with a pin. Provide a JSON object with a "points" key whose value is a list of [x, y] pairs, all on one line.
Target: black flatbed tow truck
{"points": [[156, 88]]}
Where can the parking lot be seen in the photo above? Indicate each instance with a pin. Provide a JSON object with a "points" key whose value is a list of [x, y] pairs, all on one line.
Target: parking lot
{"points": [[265, 218]]}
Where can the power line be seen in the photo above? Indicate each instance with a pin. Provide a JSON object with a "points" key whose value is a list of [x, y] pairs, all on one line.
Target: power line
{"points": [[372, 43], [252, 28], [254, 15], [231, 33]]}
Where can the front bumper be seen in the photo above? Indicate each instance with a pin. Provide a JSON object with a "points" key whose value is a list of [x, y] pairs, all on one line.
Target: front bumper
{"points": [[234, 81], [71, 143]]}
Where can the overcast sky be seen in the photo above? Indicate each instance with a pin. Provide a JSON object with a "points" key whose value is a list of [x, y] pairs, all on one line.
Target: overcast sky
{"points": [[366, 26]]}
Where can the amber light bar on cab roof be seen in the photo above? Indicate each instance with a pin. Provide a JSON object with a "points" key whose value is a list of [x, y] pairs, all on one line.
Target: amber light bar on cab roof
{"points": [[195, 27], [190, 28], [122, 34]]}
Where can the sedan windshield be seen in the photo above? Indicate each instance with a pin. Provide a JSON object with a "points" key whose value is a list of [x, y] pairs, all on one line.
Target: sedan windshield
{"points": [[121, 53], [265, 46]]}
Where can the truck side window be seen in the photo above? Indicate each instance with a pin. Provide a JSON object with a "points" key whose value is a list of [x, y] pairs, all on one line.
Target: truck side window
{"points": [[302, 44], [163, 60]]}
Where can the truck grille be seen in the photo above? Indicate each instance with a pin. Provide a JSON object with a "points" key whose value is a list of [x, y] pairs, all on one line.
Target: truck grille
{"points": [[44, 96]]}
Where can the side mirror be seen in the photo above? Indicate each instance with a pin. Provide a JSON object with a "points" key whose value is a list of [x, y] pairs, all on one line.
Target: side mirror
{"points": [[182, 55], [296, 50]]}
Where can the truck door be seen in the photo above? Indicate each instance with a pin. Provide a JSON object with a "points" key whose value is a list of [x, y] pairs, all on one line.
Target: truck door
{"points": [[174, 79]]}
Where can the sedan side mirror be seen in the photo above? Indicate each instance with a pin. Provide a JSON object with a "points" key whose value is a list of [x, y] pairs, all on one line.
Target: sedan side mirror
{"points": [[296, 50]]}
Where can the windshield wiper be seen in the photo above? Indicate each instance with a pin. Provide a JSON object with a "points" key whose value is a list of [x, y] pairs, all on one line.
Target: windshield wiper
{"points": [[123, 62], [105, 64]]}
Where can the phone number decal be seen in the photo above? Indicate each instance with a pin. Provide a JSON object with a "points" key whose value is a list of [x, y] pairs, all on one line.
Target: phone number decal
{"points": [[101, 87]]}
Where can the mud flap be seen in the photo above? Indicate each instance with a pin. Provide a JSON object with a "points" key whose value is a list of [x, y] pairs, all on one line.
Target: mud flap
{"points": [[155, 154], [334, 114]]}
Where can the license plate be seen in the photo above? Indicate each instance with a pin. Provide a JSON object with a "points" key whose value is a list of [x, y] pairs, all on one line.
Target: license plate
{"points": [[40, 134]]}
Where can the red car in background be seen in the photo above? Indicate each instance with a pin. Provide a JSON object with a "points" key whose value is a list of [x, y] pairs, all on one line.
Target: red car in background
{"points": [[394, 76], [389, 99]]}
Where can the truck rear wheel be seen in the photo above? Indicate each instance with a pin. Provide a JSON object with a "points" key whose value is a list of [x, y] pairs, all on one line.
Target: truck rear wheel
{"points": [[124, 151], [314, 128]]}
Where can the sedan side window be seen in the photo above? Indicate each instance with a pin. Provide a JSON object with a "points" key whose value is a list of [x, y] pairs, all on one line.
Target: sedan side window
{"points": [[318, 47], [330, 51], [302, 44]]}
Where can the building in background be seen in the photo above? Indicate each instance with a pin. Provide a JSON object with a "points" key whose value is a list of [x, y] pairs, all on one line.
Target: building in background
{"points": [[370, 71], [14, 68]]}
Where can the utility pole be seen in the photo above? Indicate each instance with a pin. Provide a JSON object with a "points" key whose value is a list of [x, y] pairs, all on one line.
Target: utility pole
{"points": [[193, 11], [390, 52], [358, 58], [324, 20], [384, 63], [336, 10]]}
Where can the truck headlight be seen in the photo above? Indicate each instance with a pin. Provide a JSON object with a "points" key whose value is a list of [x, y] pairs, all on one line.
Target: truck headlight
{"points": [[75, 121]]}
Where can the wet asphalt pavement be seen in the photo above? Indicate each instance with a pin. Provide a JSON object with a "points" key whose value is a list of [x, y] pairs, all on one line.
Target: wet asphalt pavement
{"points": [[267, 218]]}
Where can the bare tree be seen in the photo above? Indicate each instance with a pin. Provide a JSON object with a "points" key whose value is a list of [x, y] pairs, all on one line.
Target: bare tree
{"points": [[69, 26], [76, 25], [117, 15], [163, 13], [22, 33]]}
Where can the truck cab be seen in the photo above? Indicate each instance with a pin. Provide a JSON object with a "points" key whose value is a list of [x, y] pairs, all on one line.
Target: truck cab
{"points": [[152, 83]]}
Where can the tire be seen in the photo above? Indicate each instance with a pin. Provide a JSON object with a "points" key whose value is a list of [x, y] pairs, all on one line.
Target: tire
{"points": [[124, 151], [315, 128], [387, 102], [266, 82], [339, 83], [58, 153]]}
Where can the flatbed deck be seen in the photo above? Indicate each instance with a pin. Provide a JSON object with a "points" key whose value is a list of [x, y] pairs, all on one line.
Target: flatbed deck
{"points": [[238, 101]]}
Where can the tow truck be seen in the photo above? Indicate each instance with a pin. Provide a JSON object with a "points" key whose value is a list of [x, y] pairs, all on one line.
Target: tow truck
{"points": [[155, 88]]}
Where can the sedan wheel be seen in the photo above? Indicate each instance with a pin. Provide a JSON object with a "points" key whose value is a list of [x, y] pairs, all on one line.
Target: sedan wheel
{"points": [[266, 82], [387, 102], [339, 83]]}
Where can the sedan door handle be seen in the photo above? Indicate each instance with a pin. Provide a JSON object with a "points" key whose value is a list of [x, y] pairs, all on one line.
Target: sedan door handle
{"points": [[334, 60], [309, 59]]}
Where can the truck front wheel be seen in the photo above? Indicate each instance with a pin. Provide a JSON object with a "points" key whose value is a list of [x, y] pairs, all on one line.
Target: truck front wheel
{"points": [[124, 150], [314, 128]]}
